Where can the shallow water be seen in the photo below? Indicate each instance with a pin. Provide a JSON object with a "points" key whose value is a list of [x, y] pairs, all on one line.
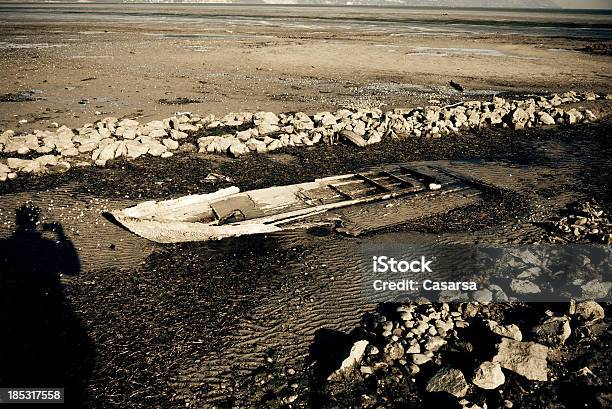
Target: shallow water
{"points": [[405, 21]]}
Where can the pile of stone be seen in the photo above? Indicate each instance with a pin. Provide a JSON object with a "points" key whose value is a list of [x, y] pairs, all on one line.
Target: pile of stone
{"points": [[241, 133], [439, 343], [585, 221]]}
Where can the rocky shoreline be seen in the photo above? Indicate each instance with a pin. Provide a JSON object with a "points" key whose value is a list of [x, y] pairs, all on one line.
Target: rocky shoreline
{"points": [[237, 134]]}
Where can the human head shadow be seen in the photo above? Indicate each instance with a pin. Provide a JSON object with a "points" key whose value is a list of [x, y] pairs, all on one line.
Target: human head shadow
{"points": [[42, 342]]}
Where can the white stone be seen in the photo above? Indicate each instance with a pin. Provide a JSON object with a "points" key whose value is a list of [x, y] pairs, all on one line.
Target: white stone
{"points": [[524, 358], [488, 375], [354, 358]]}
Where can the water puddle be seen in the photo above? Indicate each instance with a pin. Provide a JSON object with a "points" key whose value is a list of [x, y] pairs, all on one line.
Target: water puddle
{"points": [[445, 51], [9, 45]]}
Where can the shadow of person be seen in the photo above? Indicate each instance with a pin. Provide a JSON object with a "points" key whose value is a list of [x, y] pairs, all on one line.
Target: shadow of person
{"points": [[42, 342]]}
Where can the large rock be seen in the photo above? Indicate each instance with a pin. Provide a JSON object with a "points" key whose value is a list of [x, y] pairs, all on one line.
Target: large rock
{"points": [[488, 375], [524, 358], [171, 144], [448, 380], [237, 149], [524, 287], [554, 331], [267, 128], [353, 138], [265, 118], [546, 119], [589, 311], [156, 149], [135, 149], [354, 358], [325, 119], [108, 152]]}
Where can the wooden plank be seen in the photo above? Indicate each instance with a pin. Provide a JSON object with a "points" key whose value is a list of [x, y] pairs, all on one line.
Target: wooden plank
{"points": [[372, 182], [340, 192], [399, 179]]}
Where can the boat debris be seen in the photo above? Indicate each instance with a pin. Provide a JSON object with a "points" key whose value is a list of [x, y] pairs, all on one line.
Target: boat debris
{"points": [[353, 203]]}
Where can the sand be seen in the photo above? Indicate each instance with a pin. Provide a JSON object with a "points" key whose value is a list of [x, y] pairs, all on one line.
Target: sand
{"points": [[83, 69]]}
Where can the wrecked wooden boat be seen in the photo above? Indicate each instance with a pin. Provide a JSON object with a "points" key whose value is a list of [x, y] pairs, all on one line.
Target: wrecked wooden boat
{"points": [[379, 197]]}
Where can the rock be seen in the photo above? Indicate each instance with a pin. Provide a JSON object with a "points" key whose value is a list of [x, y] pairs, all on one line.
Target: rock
{"points": [[589, 311], [353, 359], [274, 145], [16, 145], [129, 134], [488, 375], [414, 349], [554, 331], [359, 128], [156, 149], [590, 116], [596, 289], [247, 134], [523, 287], [238, 149], [174, 134], [353, 138], [374, 137], [70, 152], [158, 133], [266, 128], [546, 119], [572, 116], [448, 380], [265, 118], [187, 148], [483, 296], [187, 128], [25, 165], [393, 351], [420, 359], [524, 358], [128, 123], [507, 331], [155, 125], [434, 343], [171, 144], [166, 154], [108, 152], [519, 118], [135, 149], [325, 119]]}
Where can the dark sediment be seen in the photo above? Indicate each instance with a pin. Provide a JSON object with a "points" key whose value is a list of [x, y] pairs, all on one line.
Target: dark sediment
{"points": [[148, 322]]}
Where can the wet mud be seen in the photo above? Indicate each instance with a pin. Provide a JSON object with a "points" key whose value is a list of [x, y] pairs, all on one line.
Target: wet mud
{"points": [[233, 322]]}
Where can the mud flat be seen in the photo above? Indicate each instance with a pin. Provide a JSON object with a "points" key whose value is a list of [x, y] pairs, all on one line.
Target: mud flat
{"points": [[275, 292], [234, 59], [253, 321]]}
